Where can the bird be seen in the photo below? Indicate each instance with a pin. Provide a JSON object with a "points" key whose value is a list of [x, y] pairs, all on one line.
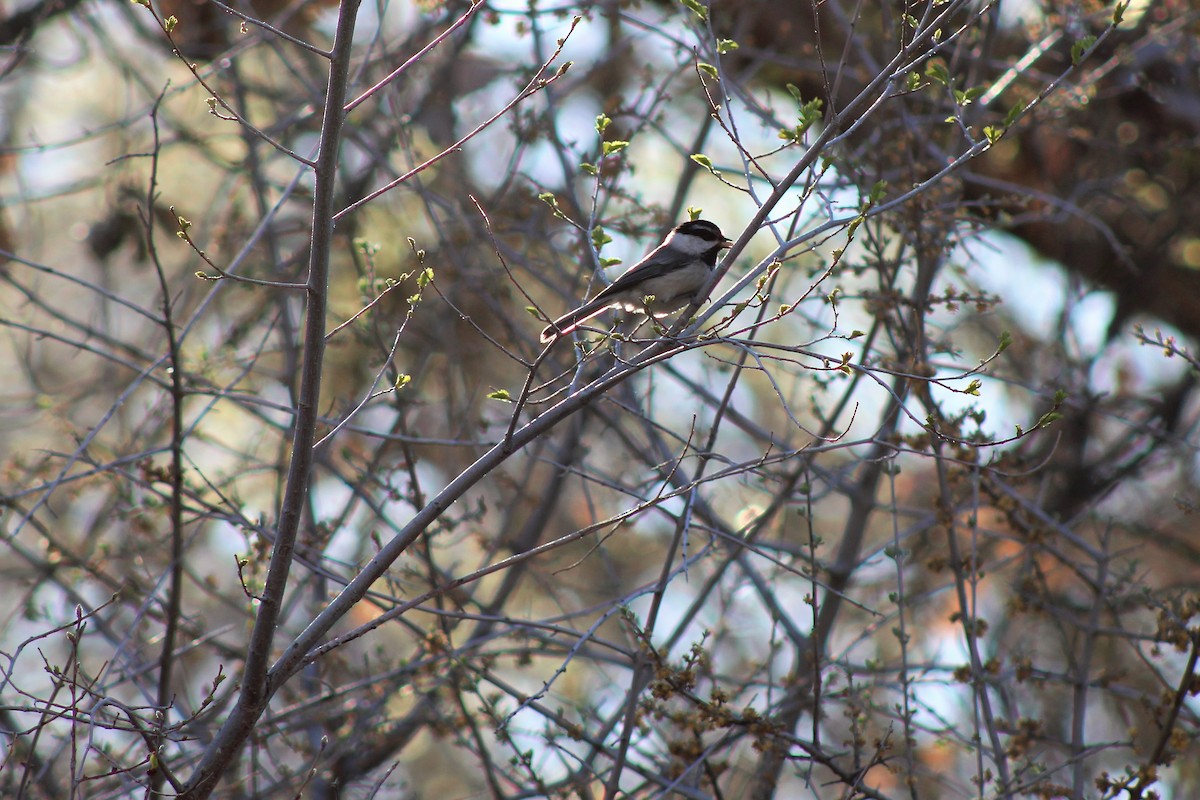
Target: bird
{"points": [[664, 281]]}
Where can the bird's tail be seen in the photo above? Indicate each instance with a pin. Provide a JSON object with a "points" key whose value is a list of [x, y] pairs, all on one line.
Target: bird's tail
{"points": [[567, 323]]}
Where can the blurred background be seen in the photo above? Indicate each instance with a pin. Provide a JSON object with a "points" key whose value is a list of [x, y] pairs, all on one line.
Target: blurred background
{"points": [[910, 517]]}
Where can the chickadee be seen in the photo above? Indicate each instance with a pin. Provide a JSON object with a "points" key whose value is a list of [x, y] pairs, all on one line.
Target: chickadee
{"points": [[666, 280]]}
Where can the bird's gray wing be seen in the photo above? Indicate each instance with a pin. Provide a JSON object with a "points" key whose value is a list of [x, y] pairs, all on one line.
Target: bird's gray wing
{"points": [[656, 263]]}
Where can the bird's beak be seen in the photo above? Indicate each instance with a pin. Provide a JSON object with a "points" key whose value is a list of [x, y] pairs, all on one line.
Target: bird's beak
{"points": [[727, 244]]}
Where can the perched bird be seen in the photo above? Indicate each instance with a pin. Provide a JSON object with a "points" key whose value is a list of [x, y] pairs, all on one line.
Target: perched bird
{"points": [[666, 280]]}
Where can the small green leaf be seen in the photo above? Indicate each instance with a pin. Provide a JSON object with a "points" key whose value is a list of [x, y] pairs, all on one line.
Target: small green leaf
{"points": [[609, 262], [811, 113], [706, 162], [973, 387], [1048, 418], [1014, 113], [549, 199], [614, 147], [1006, 340], [402, 380], [599, 237], [725, 45], [1119, 12], [1059, 397], [707, 69], [1080, 47], [794, 91], [854, 334], [602, 123], [424, 277], [500, 394], [694, 213], [913, 81], [696, 8], [992, 133], [937, 71], [590, 169], [965, 97], [169, 23]]}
